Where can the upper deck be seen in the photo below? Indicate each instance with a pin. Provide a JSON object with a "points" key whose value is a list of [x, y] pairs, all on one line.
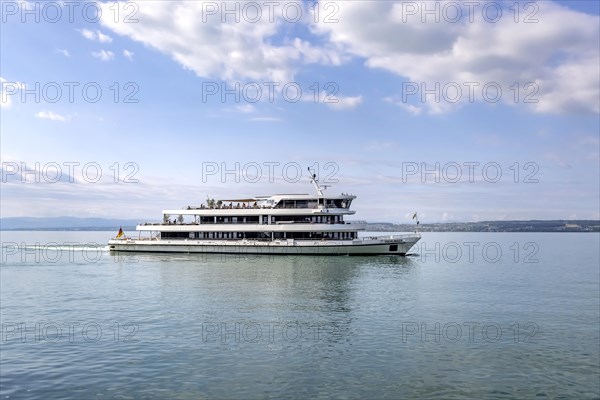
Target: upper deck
{"points": [[293, 204]]}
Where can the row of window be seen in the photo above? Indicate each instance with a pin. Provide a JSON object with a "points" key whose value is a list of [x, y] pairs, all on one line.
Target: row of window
{"points": [[260, 235], [314, 203], [314, 219]]}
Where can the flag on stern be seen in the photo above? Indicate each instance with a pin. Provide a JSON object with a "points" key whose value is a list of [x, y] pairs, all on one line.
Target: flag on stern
{"points": [[120, 234]]}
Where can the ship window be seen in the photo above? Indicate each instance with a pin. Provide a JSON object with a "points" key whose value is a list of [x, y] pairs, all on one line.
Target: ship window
{"points": [[393, 247]]}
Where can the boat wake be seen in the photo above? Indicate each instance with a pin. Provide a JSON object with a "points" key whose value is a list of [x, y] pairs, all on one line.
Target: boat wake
{"points": [[54, 246]]}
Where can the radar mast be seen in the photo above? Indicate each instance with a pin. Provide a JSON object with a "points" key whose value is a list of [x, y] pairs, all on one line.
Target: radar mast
{"points": [[315, 182]]}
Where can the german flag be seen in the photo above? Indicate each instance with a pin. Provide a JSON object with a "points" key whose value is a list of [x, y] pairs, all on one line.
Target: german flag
{"points": [[121, 233]]}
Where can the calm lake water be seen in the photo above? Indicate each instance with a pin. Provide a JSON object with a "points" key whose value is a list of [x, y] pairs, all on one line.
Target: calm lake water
{"points": [[474, 315]]}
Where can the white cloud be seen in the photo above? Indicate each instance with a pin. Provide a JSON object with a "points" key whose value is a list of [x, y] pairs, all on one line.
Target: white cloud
{"points": [[102, 38], [8, 89], [345, 102], [246, 108], [558, 56], [64, 52], [5, 101], [96, 36], [229, 51], [51, 116], [414, 110], [335, 102], [128, 54], [104, 55], [88, 34], [559, 53], [265, 119]]}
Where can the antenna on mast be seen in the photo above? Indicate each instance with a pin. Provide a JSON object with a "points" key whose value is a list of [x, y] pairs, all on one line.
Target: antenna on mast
{"points": [[417, 225], [315, 182]]}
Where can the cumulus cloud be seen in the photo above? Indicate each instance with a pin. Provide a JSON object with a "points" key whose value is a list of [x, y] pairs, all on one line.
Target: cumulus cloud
{"points": [[104, 55], [8, 89], [128, 54], [96, 36], [4, 99], [51, 116], [334, 101], [246, 108], [412, 109], [265, 119], [557, 55], [246, 49], [549, 65], [345, 102]]}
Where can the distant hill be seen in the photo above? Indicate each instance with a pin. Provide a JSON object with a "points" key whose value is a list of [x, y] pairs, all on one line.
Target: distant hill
{"points": [[494, 226], [65, 223]]}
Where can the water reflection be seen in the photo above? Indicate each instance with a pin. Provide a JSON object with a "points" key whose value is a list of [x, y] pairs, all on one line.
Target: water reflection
{"points": [[224, 290]]}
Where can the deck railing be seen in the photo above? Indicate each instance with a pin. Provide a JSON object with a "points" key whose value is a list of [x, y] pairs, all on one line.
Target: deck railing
{"points": [[393, 237]]}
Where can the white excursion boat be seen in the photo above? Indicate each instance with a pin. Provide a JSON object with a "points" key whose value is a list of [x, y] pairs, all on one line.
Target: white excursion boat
{"points": [[279, 224]]}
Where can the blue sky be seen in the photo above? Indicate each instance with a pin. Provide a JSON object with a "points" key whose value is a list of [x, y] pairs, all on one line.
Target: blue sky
{"points": [[363, 116]]}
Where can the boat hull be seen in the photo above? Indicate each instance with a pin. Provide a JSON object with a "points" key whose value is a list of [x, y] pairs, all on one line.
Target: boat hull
{"points": [[374, 246]]}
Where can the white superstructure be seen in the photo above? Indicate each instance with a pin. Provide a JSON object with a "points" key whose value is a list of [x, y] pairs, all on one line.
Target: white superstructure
{"points": [[277, 224]]}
